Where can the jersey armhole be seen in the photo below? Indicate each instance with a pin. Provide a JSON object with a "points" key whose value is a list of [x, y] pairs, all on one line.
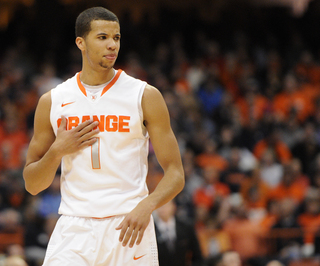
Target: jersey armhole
{"points": [[143, 128]]}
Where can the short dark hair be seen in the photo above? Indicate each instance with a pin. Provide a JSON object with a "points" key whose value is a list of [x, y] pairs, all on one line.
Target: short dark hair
{"points": [[83, 22]]}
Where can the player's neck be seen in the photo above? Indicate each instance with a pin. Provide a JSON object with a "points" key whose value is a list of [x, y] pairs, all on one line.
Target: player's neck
{"points": [[95, 78]]}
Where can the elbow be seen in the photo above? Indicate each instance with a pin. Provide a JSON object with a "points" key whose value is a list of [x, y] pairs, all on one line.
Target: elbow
{"points": [[182, 182], [31, 188], [33, 191]]}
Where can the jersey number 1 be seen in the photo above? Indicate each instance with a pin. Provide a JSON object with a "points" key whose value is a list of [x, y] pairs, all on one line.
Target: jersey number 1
{"points": [[95, 154]]}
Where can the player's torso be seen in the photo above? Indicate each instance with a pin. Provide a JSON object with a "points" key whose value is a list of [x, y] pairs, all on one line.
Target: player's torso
{"points": [[117, 163]]}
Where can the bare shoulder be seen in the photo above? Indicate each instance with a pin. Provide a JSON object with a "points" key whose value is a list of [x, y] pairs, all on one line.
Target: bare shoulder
{"points": [[45, 100], [42, 115], [151, 93], [153, 106]]}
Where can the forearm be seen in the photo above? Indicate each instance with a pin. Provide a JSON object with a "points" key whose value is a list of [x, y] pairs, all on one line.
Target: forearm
{"points": [[38, 175], [170, 185]]}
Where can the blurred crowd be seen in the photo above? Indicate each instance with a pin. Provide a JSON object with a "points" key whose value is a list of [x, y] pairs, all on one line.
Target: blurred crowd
{"points": [[247, 120]]}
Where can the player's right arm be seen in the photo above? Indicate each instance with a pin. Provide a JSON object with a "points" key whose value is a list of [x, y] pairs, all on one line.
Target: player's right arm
{"points": [[46, 150]]}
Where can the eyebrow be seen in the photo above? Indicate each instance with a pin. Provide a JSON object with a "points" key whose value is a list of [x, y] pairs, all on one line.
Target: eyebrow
{"points": [[105, 34]]}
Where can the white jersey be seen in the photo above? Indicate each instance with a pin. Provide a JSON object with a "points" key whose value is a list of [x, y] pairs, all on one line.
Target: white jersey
{"points": [[109, 177]]}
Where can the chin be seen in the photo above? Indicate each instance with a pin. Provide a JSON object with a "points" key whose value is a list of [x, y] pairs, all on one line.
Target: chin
{"points": [[107, 67]]}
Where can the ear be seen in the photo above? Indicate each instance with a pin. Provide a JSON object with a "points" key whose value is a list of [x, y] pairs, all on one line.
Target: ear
{"points": [[80, 42]]}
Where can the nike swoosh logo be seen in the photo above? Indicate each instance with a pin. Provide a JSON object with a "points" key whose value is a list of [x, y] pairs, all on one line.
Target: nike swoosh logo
{"points": [[64, 104], [136, 258]]}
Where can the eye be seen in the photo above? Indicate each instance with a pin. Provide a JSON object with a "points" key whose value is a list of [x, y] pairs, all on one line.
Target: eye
{"points": [[117, 38], [102, 37]]}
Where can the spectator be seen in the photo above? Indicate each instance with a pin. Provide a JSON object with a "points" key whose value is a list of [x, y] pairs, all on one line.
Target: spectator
{"points": [[234, 176], [273, 142], [288, 244], [227, 142], [176, 239], [238, 156], [291, 132], [13, 140], [210, 94], [271, 170], [196, 74], [193, 181], [213, 240], [298, 174], [292, 101], [247, 236], [229, 71], [210, 157], [213, 192], [307, 72], [307, 148], [314, 188], [309, 220], [272, 215], [250, 135], [47, 79], [292, 186], [252, 105], [254, 192]]}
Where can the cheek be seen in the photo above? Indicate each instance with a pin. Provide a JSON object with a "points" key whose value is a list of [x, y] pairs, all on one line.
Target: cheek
{"points": [[93, 52], [93, 49], [91, 56]]}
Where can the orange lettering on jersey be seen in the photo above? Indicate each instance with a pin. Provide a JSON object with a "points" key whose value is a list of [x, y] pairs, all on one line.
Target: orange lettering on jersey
{"points": [[123, 126], [101, 122], [109, 123], [112, 126], [59, 122], [85, 118], [73, 121]]}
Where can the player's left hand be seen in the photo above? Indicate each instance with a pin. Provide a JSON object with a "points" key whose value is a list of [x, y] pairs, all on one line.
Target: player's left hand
{"points": [[134, 224]]}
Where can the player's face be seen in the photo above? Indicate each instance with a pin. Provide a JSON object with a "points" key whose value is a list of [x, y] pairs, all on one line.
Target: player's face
{"points": [[102, 44]]}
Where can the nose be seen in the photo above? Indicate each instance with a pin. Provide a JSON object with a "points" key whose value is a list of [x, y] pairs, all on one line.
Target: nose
{"points": [[112, 44]]}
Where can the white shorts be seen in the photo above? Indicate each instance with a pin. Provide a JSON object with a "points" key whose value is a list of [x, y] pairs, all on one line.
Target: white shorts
{"points": [[79, 241]]}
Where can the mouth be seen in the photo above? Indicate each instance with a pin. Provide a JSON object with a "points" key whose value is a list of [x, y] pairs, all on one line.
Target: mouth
{"points": [[110, 57]]}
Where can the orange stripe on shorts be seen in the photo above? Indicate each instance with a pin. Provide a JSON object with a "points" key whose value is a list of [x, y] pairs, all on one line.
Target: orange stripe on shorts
{"points": [[103, 217]]}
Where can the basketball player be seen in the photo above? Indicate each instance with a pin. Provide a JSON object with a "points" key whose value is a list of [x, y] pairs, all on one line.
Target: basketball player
{"points": [[98, 124]]}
